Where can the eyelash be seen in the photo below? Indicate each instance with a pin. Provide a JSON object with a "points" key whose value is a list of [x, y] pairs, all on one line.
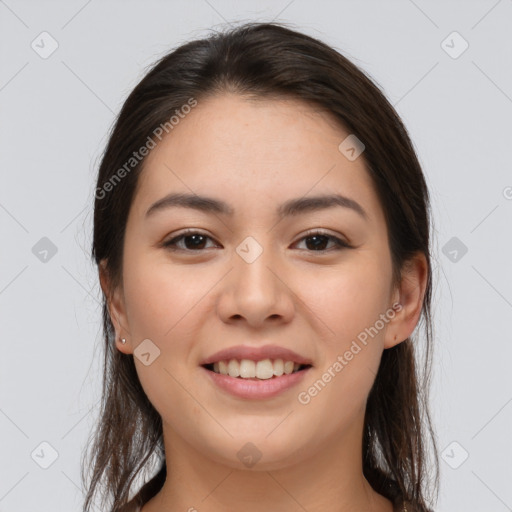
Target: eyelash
{"points": [[339, 244]]}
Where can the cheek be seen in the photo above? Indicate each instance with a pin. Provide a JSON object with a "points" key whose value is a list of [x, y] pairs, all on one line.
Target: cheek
{"points": [[349, 349], [160, 296], [348, 305], [347, 299]]}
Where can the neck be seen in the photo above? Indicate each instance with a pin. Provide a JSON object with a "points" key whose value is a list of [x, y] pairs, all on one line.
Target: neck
{"points": [[330, 479]]}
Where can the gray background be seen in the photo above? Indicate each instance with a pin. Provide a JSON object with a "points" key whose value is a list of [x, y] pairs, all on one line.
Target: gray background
{"points": [[55, 115]]}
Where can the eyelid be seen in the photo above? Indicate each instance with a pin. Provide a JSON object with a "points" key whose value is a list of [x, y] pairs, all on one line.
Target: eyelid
{"points": [[340, 242], [323, 232], [166, 244]]}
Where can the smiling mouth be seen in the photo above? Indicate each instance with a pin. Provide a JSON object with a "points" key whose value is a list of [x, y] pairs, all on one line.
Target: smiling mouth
{"points": [[250, 370]]}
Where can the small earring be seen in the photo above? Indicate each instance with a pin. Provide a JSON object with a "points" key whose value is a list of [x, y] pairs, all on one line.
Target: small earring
{"points": [[123, 341]]}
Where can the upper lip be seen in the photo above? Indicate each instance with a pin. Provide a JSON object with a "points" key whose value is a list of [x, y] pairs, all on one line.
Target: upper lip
{"points": [[256, 354]]}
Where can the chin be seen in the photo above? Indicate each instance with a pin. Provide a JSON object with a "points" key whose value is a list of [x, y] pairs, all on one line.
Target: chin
{"points": [[257, 452]]}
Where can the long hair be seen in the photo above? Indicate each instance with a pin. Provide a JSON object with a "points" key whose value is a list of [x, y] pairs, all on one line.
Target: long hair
{"points": [[267, 60]]}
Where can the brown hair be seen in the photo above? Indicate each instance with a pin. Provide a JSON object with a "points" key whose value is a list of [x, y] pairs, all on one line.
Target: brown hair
{"points": [[268, 60]]}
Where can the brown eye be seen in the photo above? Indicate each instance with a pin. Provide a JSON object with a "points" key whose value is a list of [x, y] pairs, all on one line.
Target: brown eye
{"points": [[319, 239], [193, 241]]}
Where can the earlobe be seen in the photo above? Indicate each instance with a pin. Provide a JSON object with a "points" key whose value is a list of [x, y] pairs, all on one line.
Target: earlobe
{"points": [[410, 297], [116, 308]]}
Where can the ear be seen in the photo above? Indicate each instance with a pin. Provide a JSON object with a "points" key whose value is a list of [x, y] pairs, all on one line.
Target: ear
{"points": [[116, 308], [409, 295]]}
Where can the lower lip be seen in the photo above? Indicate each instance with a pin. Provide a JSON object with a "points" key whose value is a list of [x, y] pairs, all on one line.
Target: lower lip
{"points": [[256, 389]]}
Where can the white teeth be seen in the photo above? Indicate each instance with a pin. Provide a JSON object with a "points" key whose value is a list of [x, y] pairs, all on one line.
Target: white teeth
{"points": [[288, 367], [264, 369], [247, 369], [278, 367], [233, 368], [223, 367]]}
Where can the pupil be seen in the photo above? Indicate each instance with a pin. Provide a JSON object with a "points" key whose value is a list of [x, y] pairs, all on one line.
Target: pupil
{"points": [[197, 238], [317, 238], [318, 244]]}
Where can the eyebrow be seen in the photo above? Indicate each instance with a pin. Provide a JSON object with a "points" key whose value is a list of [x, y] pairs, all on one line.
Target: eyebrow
{"points": [[289, 208]]}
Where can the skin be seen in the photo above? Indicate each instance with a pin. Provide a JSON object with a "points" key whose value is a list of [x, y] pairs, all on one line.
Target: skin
{"points": [[254, 155]]}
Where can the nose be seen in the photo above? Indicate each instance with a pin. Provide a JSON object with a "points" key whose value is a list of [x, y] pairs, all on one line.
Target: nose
{"points": [[256, 292]]}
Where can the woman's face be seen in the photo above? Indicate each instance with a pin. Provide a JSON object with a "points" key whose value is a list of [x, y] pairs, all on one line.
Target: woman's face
{"points": [[257, 277]]}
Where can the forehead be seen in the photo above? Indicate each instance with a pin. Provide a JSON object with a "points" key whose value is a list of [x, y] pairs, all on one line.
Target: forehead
{"points": [[253, 153]]}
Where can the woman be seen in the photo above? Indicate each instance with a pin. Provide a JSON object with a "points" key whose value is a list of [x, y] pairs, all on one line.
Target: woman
{"points": [[261, 231]]}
